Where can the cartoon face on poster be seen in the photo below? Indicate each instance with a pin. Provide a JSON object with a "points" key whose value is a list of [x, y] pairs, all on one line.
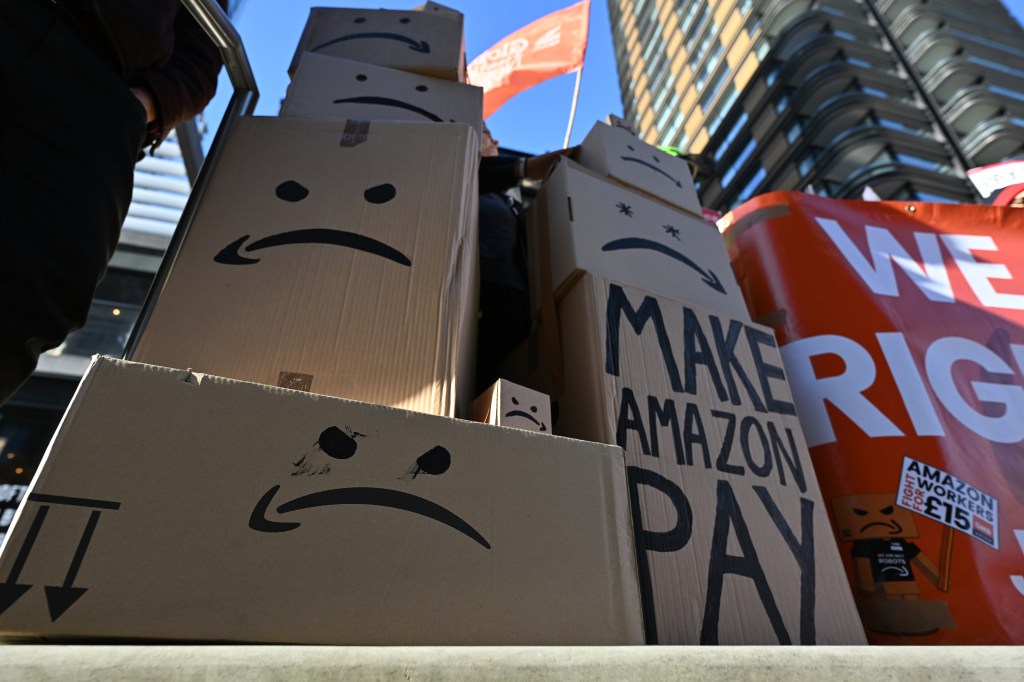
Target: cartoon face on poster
{"points": [[903, 339]]}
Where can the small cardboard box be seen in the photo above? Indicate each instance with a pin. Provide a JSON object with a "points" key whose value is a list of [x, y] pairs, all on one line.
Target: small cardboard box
{"points": [[334, 256], [332, 87], [736, 545], [176, 506], [616, 152], [514, 406], [584, 222], [429, 42]]}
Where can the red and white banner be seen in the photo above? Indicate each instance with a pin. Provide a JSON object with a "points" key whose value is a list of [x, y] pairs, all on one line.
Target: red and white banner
{"points": [[901, 326], [551, 46]]}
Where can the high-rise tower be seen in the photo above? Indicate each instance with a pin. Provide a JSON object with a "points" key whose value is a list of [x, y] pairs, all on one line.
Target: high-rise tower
{"points": [[830, 96]]}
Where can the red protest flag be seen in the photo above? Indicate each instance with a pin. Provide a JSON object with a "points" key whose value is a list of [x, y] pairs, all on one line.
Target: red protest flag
{"points": [[549, 47]]}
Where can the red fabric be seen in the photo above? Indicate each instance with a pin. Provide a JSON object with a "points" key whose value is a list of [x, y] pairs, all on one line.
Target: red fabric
{"points": [[549, 47], [901, 325]]}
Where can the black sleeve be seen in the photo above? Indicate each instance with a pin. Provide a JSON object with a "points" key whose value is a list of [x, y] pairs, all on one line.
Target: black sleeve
{"points": [[497, 173], [183, 86]]}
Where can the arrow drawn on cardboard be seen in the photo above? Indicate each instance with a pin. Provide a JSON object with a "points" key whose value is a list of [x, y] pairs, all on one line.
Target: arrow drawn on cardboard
{"points": [[709, 277], [10, 590]]}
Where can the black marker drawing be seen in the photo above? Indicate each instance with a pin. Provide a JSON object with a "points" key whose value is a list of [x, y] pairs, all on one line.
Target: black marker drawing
{"points": [[634, 159], [527, 415], [421, 46], [333, 443], [709, 278], [59, 598], [293, 191], [337, 444], [388, 102], [624, 209], [672, 231], [381, 497]]}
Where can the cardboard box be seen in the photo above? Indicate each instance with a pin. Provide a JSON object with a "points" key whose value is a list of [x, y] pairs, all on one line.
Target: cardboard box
{"points": [[332, 87], [431, 42], [737, 545], [332, 256], [176, 506], [514, 406], [588, 223], [616, 152]]}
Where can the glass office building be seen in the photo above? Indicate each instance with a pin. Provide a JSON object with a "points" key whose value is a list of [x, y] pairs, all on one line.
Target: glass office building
{"points": [[897, 98]]}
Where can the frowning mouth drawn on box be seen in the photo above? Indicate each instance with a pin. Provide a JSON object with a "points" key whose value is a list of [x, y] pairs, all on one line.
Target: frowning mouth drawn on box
{"points": [[396, 103], [526, 415], [335, 444], [416, 45], [293, 191], [633, 243], [634, 159]]}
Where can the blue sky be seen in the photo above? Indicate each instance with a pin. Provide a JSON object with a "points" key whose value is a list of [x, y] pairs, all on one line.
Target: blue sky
{"points": [[534, 121]]}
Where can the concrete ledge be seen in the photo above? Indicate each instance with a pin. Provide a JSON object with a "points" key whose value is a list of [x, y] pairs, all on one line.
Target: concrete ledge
{"points": [[87, 663]]}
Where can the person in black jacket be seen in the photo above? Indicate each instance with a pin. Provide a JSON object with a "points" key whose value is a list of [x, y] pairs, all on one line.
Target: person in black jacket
{"points": [[85, 87], [504, 283]]}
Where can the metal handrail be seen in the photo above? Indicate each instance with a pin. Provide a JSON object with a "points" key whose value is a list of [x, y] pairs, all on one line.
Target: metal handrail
{"points": [[218, 27]]}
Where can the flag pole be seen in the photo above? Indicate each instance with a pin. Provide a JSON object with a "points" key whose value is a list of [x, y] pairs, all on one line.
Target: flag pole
{"points": [[572, 111]]}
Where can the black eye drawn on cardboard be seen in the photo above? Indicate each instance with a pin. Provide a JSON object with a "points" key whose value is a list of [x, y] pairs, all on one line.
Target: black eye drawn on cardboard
{"points": [[293, 192], [527, 415], [421, 46], [630, 243], [337, 444], [634, 159], [624, 209]]}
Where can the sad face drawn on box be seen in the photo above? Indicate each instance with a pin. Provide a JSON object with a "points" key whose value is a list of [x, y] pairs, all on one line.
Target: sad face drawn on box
{"points": [[654, 163], [335, 445], [376, 100], [292, 191], [529, 416], [646, 243], [360, 34]]}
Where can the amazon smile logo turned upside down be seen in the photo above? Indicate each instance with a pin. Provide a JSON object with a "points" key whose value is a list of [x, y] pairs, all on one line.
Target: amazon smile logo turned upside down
{"points": [[293, 191], [336, 445], [642, 243], [421, 46]]}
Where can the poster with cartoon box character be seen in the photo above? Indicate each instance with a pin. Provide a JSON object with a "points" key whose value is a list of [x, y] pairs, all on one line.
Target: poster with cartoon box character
{"points": [[901, 325]]}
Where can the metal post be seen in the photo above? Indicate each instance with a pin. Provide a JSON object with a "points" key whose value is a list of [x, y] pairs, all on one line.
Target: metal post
{"points": [[218, 27]]}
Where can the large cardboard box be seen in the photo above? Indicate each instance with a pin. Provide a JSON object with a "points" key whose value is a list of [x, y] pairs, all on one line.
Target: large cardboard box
{"points": [[616, 152], [177, 506], [429, 42], [334, 256], [581, 222], [734, 537], [333, 87]]}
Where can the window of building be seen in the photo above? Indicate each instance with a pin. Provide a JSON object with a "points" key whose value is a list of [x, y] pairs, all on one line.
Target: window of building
{"points": [[752, 184], [794, 132], [723, 147], [722, 110], [687, 15], [737, 164]]}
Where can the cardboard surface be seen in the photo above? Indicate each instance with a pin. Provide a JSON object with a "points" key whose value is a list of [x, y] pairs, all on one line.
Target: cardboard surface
{"points": [[595, 225], [228, 511], [429, 42], [336, 258], [514, 406], [737, 543], [333, 87], [616, 152]]}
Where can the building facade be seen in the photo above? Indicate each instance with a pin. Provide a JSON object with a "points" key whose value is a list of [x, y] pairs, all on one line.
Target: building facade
{"points": [[844, 98]]}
